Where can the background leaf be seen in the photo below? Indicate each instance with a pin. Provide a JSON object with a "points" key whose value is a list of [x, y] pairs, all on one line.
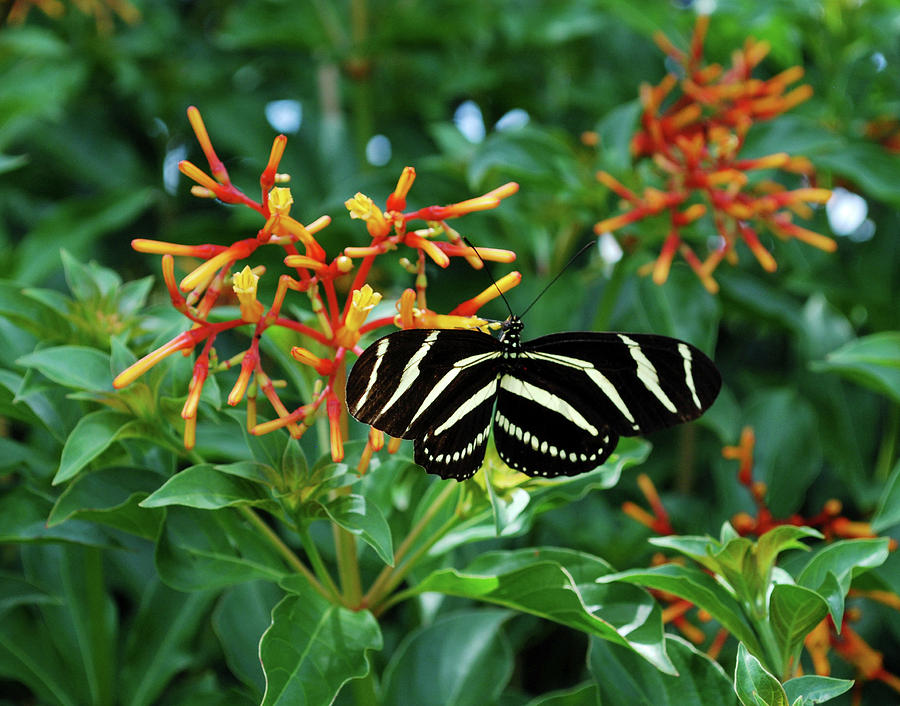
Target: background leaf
{"points": [[621, 678], [460, 659], [312, 648]]}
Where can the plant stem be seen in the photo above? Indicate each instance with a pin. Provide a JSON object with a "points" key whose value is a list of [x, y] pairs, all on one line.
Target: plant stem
{"points": [[316, 560], [348, 565], [377, 590], [400, 573], [287, 554], [888, 448]]}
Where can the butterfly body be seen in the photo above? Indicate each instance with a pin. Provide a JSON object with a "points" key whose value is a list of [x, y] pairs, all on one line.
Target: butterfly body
{"points": [[557, 404]]}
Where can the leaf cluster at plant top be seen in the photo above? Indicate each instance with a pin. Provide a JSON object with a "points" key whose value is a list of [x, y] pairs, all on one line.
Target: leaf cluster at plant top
{"points": [[171, 540]]}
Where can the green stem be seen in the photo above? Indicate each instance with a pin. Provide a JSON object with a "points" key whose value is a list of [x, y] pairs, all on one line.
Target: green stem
{"points": [[312, 552], [99, 666], [287, 554], [888, 448], [348, 565], [377, 590], [773, 657], [400, 573]]}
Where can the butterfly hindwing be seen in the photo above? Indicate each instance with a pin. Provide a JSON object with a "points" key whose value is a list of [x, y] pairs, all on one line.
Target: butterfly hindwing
{"points": [[538, 431]]}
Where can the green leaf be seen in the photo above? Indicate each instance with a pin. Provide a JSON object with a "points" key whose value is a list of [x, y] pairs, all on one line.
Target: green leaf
{"points": [[25, 658], [622, 678], [31, 314], [888, 513], [461, 659], [873, 361], [23, 518], [91, 436], [111, 496], [16, 591], [813, 689], [780, 539], [84, 624], [587, 694], [78, 367], [356, 515], [616, 130], [207, 488], [699, 588], [80, 278], [239, 620], [200, 549], [789, 455], [871, 166], [842, 560], [754, 685], [563, 586], [312, 648], [793, 612], [83, 219], [161, 641]]}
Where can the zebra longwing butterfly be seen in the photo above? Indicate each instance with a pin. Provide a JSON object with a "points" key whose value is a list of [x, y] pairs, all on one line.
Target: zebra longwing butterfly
{"points": [[557, 404]]}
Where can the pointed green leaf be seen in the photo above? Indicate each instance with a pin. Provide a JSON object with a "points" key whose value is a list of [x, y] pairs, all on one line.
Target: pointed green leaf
{"points": [[888, 513], [364, 519], [793, 612], [72, 366], [810, 690], [563, 586], [91, 436], [312, 648], [161, 641], [111, 496], [873, 361], [200, 549], [844, 560], [586, 694], [622, 678], [23, 518], [241, 617], [699, 588], [461, 659], [16, 591], [206, 488], [754, 685], [780, 539]]}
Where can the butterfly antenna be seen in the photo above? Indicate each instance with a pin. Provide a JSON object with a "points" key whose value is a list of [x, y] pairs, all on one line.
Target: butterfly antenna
{"points": [[559, 274], [490, 276]]}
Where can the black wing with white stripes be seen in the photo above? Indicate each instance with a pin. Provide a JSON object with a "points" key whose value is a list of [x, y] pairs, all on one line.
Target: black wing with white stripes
{"points": [[558, 404]]}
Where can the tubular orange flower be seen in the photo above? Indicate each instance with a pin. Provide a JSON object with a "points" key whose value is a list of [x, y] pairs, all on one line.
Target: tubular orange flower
{"points": [[504, 284], [397, 200]]}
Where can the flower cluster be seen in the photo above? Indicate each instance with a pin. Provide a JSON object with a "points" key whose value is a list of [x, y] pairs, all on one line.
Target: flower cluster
{"points": [[694, 141], [337, 326]]}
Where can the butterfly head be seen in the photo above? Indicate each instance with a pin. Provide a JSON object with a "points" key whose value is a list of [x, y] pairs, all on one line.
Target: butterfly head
{"points": [[512, 332]]}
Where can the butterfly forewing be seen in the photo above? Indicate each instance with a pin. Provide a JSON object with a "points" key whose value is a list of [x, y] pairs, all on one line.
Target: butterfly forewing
{"points": [[635, 383], [415, 381]]}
